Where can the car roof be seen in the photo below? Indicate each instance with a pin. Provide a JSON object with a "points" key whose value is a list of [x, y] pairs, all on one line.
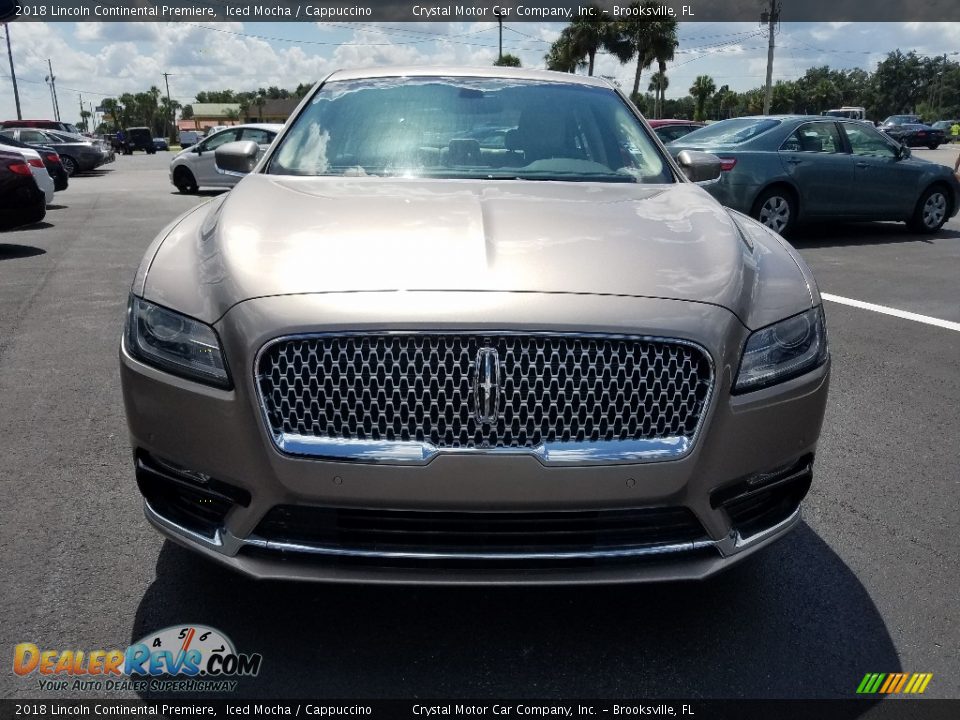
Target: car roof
{"points": [[256, 126], [662, 123], [473, 72]]}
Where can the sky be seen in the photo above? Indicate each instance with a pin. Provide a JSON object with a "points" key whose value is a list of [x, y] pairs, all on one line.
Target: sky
{"points": [[93, 60]]}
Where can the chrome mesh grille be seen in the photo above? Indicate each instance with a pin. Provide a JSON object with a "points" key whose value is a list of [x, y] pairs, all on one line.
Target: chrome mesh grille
{"points": [[419, 387]]}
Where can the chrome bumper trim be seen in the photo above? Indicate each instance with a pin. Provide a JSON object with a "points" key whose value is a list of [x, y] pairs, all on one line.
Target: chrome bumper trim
{"points": [[416, 453], [225, 543], [611, 553]]}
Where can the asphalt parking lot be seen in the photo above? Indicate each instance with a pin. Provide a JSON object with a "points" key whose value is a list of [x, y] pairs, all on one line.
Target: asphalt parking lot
{"points": [[870, 582]]}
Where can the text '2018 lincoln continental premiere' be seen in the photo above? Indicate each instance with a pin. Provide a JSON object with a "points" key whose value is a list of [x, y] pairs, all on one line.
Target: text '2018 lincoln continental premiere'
{"points": [[472, 326]]}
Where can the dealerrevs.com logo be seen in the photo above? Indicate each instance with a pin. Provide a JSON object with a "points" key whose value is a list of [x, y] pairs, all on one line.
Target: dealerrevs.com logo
{"points": [[187, 658]]}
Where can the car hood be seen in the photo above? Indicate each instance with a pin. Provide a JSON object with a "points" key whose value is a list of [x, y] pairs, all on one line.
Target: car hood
{"points": [[280, 235]]}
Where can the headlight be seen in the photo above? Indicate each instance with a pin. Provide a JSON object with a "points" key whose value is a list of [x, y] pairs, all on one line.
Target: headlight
{"points": [[779, 352], [176, 343]]}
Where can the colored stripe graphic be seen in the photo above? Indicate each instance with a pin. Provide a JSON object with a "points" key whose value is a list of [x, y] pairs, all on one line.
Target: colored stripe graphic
{"points": [[894, 683]]}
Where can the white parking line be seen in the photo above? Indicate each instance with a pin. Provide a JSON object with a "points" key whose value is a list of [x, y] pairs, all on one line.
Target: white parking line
{"points": [[948, 324]]}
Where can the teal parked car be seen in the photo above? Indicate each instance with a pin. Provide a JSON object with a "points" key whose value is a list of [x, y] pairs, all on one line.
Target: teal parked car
{"points": [[783, 170]]}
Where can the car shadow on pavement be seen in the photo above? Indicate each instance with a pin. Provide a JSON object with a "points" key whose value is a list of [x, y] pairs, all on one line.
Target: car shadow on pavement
{"points": [[14, 252], [42, 225], [203, 193], [792, 621], [868, 233]]}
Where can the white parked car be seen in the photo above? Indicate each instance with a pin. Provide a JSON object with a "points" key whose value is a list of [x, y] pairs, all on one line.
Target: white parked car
{"points": [[194, 167], [39, 170]]}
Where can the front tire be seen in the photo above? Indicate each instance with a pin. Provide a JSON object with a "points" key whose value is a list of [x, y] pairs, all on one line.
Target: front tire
{"points": [[776, 209], [931, 212], [185, 181], [69, 165]]}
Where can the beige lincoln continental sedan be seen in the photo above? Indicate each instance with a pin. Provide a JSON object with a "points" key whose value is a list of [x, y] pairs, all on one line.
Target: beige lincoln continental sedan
{"points": [[472, 326]]}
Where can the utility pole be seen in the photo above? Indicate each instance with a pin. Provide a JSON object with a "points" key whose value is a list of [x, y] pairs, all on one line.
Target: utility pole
{"points": [[500, 22], [166, 79], [771, 18], [53, 90], [13, 74], [80, 97], [942, 73]]}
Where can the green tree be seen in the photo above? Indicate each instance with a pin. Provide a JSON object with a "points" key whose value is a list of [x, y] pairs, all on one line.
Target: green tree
{"points": [[658, 86], [663, 44], [187, 112], [590, 33], [703, 87], [636, 32], [562, 56], [507, 60]]}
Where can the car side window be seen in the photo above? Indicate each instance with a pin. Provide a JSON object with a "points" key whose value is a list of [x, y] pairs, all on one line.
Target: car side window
{"points": [[260, 137], [868, 142], [820, 137], [221, 138], [32, 136]]}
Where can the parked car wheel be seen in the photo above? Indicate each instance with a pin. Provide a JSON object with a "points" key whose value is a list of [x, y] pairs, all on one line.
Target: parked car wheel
{"points": [[185, 181], [69, 164], [932, 211], [777, 209]]}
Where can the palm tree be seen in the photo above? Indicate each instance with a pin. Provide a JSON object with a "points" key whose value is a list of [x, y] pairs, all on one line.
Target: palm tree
{"points": [[702, 88], [592, 33], [658, 86], [637, 32], [562, 55], [723, 99], [231, 115], [260, 100], [663, 43]]}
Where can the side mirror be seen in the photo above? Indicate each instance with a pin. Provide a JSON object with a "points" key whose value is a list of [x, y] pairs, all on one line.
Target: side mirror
{"points": [[903, 153], [237, 158], [699, 167]]}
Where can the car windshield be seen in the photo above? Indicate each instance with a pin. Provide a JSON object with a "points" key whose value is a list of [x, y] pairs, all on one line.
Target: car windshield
{"points": [[730, 132], [481, 128]]}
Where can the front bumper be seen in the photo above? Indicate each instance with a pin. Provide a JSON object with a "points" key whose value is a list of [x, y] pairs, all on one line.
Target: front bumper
{"points": [[219, 437]]}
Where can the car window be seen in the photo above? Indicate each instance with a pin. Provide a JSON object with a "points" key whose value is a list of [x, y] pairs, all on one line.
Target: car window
{"points": [[668, 133], [470, 128], [731, 132], [215, 141], [257, 135], [822, 137], [9, 134], [33, 136], [867, 141]]}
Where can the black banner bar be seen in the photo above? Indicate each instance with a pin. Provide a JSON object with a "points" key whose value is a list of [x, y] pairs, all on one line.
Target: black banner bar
{"points": [[874, 709], [483, 10]]}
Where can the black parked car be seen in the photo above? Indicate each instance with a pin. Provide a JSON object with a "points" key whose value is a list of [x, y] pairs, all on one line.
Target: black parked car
{"points": [[51, 160], [21, 201], [138, 138], [916, 135]]}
